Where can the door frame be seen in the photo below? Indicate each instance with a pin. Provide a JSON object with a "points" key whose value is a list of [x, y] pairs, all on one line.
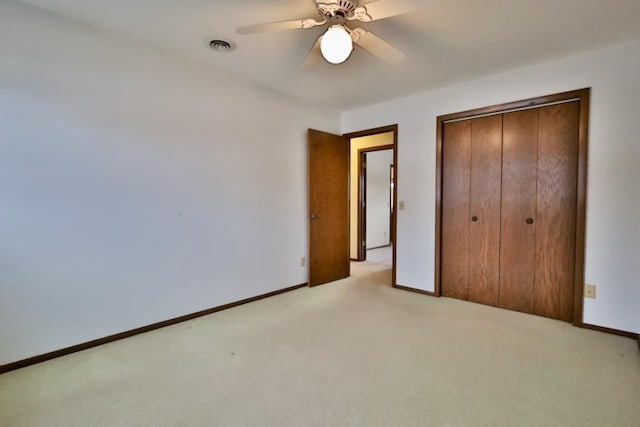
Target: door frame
{"points": [[362, 197], [394, 222], [392, 207], [580, 95]]}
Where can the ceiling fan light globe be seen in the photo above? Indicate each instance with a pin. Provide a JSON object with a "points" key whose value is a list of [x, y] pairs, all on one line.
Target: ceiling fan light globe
{"points": [[336, 45]]}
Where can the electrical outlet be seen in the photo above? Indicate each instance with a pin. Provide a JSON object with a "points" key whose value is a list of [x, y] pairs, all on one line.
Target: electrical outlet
{"points": [[589, 291], [303, 262]]}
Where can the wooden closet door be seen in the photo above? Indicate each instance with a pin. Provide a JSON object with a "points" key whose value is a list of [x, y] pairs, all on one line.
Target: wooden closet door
{"points": [[556, 216], [484, 209], [512, 206], [456, 166], [519, 196]]}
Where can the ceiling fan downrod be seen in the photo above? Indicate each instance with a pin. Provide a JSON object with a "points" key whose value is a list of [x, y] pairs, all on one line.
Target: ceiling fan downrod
{"points": [[344, 8]]}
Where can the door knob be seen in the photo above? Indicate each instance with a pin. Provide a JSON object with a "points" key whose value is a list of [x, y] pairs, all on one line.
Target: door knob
{"points": [[529, 220], [474, 218], [314, 216]]}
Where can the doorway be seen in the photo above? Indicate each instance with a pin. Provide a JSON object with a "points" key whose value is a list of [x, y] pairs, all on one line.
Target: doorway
{"points": [[375, 203], [373, 177], [334, 200]]}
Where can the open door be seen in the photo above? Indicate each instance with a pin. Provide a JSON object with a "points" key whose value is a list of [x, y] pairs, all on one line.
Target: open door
{"points": [[328, 166]]}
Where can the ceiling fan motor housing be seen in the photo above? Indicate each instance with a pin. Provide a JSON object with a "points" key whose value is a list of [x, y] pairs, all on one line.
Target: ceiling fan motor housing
{"points": [[339, 9]]}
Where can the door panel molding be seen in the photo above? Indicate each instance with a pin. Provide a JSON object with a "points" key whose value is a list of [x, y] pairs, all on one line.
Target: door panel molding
{"points": [[582, 97]]}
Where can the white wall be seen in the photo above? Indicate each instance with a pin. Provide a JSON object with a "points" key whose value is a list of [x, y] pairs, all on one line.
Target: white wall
{"points": [[613, 206], [135, 187], [378, 198]]}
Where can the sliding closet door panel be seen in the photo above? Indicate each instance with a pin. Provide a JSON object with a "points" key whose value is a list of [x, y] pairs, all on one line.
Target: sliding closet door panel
{"points": [[456, 157], [484, 210], [518, 231], [556, 218]]}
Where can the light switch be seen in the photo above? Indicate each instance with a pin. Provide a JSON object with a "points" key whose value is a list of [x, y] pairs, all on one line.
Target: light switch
{"points": [[401, 205]]}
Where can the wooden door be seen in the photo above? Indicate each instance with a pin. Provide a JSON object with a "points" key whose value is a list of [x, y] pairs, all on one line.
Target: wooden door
{"points": [[362, 206], [456, 178], [484, 209], [511, 205], [328, 187], [539, 190], [471, 209], [556, 210], [518, 228]]}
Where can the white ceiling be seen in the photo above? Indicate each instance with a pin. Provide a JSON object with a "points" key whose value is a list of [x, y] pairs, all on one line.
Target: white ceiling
{"points": [[445, 40]]}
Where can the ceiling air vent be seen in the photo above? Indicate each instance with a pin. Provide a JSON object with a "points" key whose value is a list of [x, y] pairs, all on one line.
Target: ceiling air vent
{"points": [[220, 45]]}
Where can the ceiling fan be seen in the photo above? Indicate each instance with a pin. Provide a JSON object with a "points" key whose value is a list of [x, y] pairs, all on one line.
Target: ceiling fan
{"points": [[336, 44]]}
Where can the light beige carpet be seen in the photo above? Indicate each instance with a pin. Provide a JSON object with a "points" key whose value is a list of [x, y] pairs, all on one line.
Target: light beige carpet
{"points": [[352, 353]]}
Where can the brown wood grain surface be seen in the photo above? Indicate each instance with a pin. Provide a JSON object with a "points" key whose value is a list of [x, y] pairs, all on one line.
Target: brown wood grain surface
{"points": [[556, 217], [519, 182], [544, 165], [328, 166], [456, 162], [485, 198]]}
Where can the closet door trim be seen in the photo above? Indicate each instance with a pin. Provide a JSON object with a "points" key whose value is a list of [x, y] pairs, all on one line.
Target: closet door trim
{"points": [[582, 97]]}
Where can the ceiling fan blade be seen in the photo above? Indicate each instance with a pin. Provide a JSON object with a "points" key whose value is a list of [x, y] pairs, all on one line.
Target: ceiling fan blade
{"points": [[376, 46], [278, 26], [381, 9], [314, 57]]}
